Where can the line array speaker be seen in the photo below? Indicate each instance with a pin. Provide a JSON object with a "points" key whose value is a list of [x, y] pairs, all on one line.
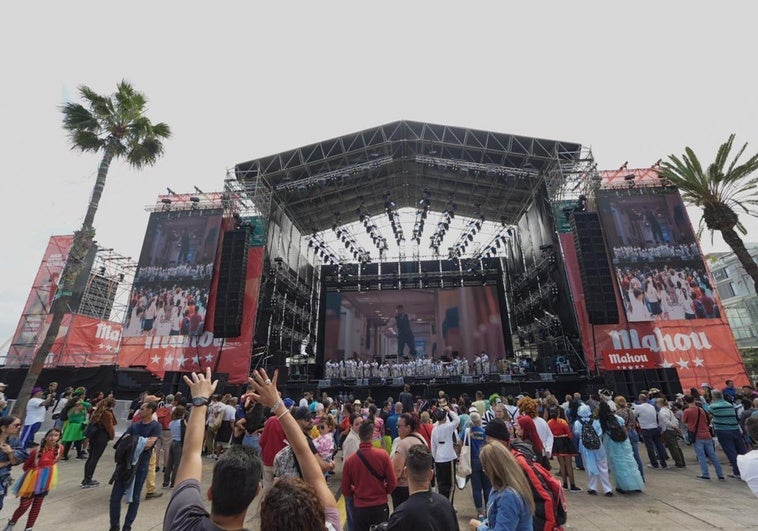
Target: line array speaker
{"points": [[230, 295], [597, 280]]}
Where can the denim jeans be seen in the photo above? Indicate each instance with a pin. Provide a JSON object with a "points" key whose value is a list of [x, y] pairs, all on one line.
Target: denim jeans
{"points": [[704, 449], [654, 445], [119, 488], [733, 444], [480, 485], [349, 513], [634, 440]]}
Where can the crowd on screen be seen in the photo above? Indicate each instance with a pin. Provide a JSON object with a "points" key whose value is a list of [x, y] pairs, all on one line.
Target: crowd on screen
{"points": [[163, 311], [183, 272], [666, 293], [396, 461], [682, 251]]}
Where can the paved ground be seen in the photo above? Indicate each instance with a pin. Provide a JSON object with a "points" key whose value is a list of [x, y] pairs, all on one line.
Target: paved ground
{"points": [[673, 500]]}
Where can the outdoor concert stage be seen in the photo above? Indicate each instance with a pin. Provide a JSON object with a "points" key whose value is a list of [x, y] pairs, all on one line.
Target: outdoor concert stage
{"points": [[418, 241]]}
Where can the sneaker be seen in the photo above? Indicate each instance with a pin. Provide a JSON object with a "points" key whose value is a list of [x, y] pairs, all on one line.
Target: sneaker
{"points": [[734, 476], [9, 527], [704, 477], [90, 484], [574, 488], [609, 494], [592, 492], [653, 466], [151, 495], [565, 487], [165, 486], [722, 478]]}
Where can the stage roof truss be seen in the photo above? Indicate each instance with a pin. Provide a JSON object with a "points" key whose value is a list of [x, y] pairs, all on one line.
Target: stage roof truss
{"points": [[491, 172]]}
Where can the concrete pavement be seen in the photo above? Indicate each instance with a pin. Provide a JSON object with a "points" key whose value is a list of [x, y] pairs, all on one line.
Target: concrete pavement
{"points": [[672, 500]]}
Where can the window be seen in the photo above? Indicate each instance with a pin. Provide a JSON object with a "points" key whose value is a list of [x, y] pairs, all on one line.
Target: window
{"points": [[726, 290], [720, 274]]}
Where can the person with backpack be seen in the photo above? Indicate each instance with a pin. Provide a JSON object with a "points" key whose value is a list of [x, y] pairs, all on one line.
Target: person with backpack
{"points": [[618, 449], [588, 432], [511, 503], [549, 499], [100, 430]]}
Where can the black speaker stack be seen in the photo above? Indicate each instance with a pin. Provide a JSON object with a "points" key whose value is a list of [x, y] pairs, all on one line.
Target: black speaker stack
{"points": [[230, 295], [597, 280]]}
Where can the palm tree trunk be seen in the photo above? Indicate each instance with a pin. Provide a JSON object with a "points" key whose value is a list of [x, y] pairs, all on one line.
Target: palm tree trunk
{"points": [[97, 191], [74, 265], [737, 245]]}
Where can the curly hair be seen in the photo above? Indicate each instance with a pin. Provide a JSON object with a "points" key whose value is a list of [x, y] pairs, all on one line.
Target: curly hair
{"points": [[292, 504], [527, 406]]}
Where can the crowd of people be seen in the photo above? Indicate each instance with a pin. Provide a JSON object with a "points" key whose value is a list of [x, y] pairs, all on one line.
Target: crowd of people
{"points": [[425, 367], [666, 293], [182, 272], [402, 460], [166, 312], [681, 251]]}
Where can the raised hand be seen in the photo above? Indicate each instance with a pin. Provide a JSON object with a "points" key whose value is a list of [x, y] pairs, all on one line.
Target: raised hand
{"points": [[265, 388], [200, 384]]}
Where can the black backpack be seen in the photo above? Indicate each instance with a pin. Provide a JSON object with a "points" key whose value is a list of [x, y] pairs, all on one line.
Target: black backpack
{"points": [[615, 431], [590, 438]]}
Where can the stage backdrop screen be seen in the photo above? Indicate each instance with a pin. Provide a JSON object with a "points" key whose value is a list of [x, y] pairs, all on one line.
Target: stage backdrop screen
{"points": [[173, 278], [421, 322], [656, 258]]}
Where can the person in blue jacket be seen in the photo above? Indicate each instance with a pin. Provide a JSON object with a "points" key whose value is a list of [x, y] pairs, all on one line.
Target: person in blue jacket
{"points": [[511, 505]]}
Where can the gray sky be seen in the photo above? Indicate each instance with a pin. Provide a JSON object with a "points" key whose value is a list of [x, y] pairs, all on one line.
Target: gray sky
{"points": [[636, 82]]}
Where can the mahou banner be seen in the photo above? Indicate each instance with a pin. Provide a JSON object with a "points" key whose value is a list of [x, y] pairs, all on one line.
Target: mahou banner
{"points": [[702, 350], [192, 353]]}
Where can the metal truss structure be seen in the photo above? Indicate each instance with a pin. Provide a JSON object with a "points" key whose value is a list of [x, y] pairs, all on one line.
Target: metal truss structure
{"points": [[106, 295], [490, 174]]}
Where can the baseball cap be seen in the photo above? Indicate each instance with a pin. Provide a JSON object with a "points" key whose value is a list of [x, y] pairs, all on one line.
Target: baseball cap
{"points": [[36, 390], [301, 413], [288, 402], [357, 402], [497, 429]]}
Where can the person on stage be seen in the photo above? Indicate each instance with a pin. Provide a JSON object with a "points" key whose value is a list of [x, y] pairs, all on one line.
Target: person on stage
{"points": [[404, 333]]}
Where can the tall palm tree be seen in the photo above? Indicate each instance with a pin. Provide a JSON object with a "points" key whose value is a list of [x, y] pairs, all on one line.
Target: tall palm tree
{"points": [[723, 192], [117, 127]]}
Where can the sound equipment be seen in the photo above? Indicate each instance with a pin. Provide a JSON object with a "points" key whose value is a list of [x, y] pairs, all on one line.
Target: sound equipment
{"points": [[597, 280], [230, 294]]}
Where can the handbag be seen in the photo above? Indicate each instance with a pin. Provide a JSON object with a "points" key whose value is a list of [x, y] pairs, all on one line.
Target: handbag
{"points": [[91, 430], [463, 467]]}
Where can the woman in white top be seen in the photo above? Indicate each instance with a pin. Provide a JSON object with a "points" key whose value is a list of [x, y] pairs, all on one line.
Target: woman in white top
{"points": [[443, 450]]}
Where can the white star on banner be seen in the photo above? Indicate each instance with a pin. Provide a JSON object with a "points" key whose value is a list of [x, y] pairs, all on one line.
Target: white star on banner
{"points": [[196, 359], [180, 360], [698, 362], [101, 346], [683, 364], [168, 360], [209, 358], [666, 364], [155, 359]]}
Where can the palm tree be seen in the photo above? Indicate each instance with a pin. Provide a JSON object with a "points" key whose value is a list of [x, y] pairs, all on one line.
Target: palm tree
{"points": [[722, 192], [116, 126]]}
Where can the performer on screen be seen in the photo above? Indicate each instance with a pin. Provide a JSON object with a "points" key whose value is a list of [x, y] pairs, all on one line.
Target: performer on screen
{"points": [[404, 333]]}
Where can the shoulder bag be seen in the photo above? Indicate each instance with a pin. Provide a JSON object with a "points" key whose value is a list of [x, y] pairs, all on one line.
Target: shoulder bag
{"points": [[692, 435], [463, 467]]}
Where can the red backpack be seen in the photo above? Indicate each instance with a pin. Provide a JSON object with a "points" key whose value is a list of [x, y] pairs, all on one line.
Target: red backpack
{"points": [[164, 416], [550, 510]]}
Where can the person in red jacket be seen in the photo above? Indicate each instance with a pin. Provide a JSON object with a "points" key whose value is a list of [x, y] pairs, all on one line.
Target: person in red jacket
{"points": [[367, 478], [40, 475], [271, 441]]}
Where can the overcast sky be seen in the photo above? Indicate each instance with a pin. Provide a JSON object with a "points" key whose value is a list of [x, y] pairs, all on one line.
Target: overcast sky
{"points": [[635, 82]]}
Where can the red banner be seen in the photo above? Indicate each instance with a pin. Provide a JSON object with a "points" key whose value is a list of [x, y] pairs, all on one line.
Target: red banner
{"points": [[702, 350], [34, 320], [628, 359], [186, 353], [89, 342]]}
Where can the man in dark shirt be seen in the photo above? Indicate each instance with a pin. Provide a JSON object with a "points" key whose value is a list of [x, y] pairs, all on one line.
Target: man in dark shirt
{"points": [[424, 510], [238, 466], [150, 430], [406, 398], [404, 333]]}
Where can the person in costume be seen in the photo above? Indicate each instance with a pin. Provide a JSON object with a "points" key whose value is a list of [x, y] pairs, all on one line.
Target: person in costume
{"points": [[618, 449], [39, 477]]}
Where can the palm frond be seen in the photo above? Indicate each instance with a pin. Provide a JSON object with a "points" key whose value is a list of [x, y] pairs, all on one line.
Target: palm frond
{"points": [[76, 117], [145, 153], [86, 141]]}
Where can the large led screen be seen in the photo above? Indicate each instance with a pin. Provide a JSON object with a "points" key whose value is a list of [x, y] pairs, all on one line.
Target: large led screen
{"points": [[656, 258], [173, 278], [438, 323]]}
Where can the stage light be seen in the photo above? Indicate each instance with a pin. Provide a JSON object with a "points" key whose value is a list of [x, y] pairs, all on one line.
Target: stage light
{"points": [[170, 191], [629, 177], [198, 190], [166, 201]]}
